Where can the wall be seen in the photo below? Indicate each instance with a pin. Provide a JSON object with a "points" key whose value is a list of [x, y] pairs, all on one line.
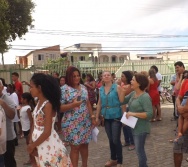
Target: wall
{"points": [[30, 61]]}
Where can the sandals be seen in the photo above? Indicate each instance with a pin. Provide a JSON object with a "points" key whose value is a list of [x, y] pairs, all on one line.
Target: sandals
{"points": [[159, 119], [132, 147], [125, 145], [111, 163], [152, 120]]}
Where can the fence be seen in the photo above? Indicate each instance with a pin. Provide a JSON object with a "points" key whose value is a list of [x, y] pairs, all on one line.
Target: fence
{"points": [[166, 68]]}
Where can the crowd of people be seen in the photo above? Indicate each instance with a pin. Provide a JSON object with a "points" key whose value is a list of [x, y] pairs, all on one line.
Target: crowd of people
{"points": [[72, 105]]}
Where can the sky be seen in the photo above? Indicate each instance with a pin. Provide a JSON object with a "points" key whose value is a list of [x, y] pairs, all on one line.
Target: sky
{"points": [[144, 26]]}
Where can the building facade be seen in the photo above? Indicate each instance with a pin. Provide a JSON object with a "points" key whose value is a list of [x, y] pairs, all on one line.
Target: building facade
{"points": [[91, 52], [39, 57]]}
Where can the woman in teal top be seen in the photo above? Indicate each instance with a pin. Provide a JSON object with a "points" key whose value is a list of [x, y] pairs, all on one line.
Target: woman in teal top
{"points": [[140, 106], [110, 107]]}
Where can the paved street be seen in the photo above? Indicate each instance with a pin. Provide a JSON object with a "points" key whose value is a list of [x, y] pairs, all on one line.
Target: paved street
{"points": [[158, 149]]}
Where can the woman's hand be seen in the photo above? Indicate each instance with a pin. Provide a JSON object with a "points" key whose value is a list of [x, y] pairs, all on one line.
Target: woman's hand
{"points": [[76, 103], [180, 109], [129, 114], [30, 148], [35, 153], [97, 121], [93, 121]]}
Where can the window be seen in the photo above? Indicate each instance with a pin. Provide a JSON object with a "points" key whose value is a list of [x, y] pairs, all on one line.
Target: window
{"points": [[40, 57], [82, 58], [72, 59], [113, 59]]}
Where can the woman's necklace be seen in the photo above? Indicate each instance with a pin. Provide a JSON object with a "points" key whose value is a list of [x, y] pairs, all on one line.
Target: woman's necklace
{"points": [[107, 89]]}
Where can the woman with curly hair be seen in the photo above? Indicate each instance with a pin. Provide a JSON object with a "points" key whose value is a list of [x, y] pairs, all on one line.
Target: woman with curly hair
{"points": [[44, 142]]}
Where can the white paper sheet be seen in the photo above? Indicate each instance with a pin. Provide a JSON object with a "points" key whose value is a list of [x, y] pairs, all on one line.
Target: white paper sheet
{"points": [[95, 133], [131, 121]]}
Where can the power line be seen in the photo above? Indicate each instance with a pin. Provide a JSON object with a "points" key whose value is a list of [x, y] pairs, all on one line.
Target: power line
{"points": [[103, 47], [110, 50], [106, 34]]}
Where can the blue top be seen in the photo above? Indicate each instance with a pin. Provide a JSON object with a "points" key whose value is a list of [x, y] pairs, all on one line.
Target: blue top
{"points": [[110, 104]]}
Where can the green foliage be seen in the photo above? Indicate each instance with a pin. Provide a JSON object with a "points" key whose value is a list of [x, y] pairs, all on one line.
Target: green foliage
{"points": [[3, 26], [15, 20], [58, 65], [57, 61], [19, 17]]}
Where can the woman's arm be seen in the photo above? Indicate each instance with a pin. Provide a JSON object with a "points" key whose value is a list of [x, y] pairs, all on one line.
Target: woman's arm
{"points": [[182, 109], [31, 132], [10, 112], [178, 85], [123, 91], [98, 108], [142, 115], [89, 108], [92, 116], [66, 107], [92, 85], [30, 116], [49, 114]]}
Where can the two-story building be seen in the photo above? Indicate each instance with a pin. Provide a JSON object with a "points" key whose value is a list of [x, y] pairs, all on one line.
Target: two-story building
{"points": [[92, 52], [39, 57]]}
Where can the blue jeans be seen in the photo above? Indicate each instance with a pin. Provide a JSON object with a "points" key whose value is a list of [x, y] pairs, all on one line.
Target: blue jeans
{"points": [[128, 136], [139, 141], [113, 130], [1, 160]]}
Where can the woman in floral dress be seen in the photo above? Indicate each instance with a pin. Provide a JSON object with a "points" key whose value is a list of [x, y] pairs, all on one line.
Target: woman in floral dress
{"points": [[78, 117], [45, 143]]}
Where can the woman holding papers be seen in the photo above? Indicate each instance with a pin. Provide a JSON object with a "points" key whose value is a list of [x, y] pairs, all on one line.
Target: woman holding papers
{"points": [[140, 106], [110, 107]]}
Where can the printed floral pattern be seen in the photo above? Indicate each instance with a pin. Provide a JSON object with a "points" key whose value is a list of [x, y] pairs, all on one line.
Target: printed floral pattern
{"points": [[76, 123], [52, 152]]}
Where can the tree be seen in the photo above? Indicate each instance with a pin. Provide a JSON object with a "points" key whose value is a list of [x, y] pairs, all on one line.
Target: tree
{"points": [[15, 21], [4, 26]]}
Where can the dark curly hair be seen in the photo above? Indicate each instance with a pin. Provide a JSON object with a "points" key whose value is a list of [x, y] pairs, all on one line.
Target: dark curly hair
{"points": [[49, 87]]}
